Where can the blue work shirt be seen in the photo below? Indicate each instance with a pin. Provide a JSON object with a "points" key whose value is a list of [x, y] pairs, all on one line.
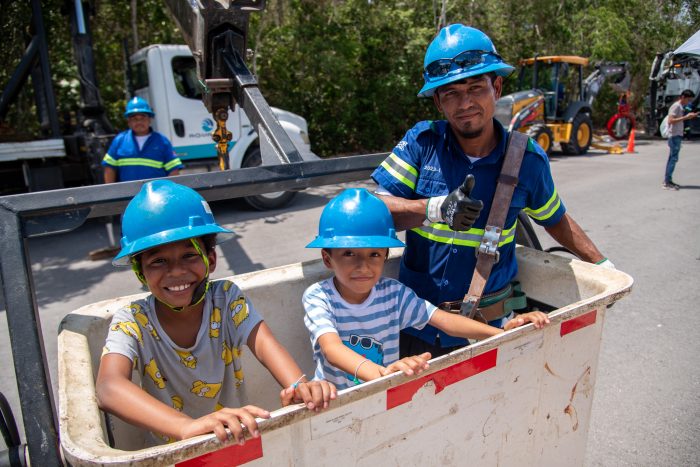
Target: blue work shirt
{"points": [[438, 263], [155, 159]]}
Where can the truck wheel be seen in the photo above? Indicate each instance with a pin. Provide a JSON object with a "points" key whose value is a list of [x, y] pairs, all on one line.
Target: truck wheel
{"points": [[581, 135], [266, 201], [542, 136]]}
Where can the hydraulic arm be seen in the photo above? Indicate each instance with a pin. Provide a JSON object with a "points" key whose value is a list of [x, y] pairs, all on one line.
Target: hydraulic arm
{"points": [[593, 83], [216, 32]]}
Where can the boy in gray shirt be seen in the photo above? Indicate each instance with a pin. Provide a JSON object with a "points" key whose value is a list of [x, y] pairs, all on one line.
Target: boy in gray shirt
{"points": [[675, 121], [186, 337]]}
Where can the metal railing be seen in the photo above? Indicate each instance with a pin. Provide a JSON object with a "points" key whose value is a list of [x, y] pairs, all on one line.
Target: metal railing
{"points": [[46, 213]]}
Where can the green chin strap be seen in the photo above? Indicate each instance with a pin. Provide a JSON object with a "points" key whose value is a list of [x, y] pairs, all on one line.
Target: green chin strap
{"points": [[199, 293]]}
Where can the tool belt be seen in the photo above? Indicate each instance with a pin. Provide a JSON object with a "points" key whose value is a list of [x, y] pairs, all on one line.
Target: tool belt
{"points": [[495, 305]]}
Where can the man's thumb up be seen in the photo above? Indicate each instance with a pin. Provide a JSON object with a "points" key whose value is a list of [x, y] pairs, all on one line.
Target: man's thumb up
{"points": [[460, 210]]}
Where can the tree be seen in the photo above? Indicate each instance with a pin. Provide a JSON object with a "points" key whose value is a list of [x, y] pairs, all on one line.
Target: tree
{"points": [[353, 67]]}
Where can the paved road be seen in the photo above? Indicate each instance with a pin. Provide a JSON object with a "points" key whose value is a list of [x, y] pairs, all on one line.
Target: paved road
{"points": [[647, 399]]}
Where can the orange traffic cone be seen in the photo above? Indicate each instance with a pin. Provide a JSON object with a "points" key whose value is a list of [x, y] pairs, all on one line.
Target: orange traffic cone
{"points": [[630, 142]]}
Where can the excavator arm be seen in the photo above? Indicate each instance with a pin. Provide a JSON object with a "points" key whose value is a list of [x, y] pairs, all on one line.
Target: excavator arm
{"points": [[605, 70], [216, 31]]}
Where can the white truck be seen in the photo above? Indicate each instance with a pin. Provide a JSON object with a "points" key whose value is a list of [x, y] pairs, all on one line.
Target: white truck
{"points": [[671, 73], [166, 76]]}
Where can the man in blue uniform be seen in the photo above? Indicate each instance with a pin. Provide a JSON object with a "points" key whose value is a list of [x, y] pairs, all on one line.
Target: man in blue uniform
{"points": [[139, 152], [423, 184], [136, 154]]}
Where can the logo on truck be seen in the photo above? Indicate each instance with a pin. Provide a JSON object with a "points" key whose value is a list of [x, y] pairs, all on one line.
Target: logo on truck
{"points": [[207, 125]]}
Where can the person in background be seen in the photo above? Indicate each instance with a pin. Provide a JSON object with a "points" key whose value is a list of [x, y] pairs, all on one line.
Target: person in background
{"points": [[135, 154], [139, 152], [675, 122]]}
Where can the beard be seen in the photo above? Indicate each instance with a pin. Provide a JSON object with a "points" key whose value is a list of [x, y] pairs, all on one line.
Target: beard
{"points": [[470, 129], [469, 134]]}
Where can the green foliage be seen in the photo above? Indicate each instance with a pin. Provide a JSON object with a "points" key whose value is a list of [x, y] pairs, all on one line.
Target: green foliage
{"points": [[349, 68], [353, 67], [110, 23]]}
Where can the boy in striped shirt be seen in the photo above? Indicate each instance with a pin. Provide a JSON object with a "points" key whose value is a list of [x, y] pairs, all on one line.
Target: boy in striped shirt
{"points": [[354, 317]]}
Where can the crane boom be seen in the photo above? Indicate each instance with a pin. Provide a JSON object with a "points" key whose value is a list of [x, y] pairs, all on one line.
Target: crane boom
{"points": [[216, 31]]}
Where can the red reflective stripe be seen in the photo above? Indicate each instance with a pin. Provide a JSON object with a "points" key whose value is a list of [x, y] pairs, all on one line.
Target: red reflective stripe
{"points": [[232, 455], [574, 324], [443, 378]]}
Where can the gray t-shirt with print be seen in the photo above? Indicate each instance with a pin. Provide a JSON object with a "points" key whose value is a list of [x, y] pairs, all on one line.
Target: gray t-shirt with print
{"points": [[676, 111], [197, 380]]}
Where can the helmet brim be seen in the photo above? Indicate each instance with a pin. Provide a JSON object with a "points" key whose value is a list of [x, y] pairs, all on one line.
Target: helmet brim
{"points": [[134, 112], [501, 69], [355, 242], [169, 236]]}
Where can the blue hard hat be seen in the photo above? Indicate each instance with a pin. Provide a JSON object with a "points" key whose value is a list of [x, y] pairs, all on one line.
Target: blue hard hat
{"points": [[138, 105], [165, 212], [478, 54], [356, 219]]}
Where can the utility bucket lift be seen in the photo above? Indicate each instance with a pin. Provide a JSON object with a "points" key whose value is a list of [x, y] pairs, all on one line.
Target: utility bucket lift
{"points": [[521, 398]]}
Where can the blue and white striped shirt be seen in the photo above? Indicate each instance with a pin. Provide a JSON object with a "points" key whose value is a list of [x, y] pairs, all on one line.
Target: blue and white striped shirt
{"points": [[371, 328]]}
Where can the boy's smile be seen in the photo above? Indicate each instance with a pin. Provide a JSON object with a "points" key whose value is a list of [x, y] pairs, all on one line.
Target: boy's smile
{"points": [[174, 270], [357, 270], [179, 288]]}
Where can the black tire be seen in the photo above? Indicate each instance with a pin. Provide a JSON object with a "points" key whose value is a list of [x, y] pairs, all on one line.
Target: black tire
{"points": [[581, 135], [264, 202], [525, 234], [542, 135]]}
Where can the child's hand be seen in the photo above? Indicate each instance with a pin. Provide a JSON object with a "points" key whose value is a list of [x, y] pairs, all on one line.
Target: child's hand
{"points": [[315, 394], [227, 417], [537, 318], [409, 365]]}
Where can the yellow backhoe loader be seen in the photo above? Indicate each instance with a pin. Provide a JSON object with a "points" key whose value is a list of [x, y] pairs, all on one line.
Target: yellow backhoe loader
{"points": [[553, 103]]}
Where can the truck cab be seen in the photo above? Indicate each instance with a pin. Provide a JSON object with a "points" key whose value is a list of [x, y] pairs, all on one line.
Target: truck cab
{"points": [[670, 75], [166, 76]]}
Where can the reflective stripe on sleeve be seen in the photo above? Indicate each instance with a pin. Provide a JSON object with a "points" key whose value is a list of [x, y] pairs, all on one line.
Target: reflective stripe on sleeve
{"points": [[109, 160], [137, 161], [173, 163], [546, 211], [441, 233], [401, 170]]}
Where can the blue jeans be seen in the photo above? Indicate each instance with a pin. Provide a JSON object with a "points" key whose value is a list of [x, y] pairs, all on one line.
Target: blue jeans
{"points": [[674, 142]]}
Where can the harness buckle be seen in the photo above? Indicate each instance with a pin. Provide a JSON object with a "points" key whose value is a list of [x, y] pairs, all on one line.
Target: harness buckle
{"points": [[489, 242]]}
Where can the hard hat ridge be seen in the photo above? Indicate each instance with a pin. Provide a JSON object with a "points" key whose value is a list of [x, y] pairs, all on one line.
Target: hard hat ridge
{"points": [[138, 105], [356, 219]]}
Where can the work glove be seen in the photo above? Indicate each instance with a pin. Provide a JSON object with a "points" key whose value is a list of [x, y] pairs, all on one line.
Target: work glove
{"points": [[458, 210], [606, 263]]}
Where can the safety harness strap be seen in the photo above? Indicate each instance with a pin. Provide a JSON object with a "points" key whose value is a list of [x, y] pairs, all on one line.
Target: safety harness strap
{"points": [[487, 253]]}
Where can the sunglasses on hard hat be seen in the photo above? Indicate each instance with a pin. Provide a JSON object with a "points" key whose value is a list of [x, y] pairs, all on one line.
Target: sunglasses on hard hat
{"points": [[466, 59]]}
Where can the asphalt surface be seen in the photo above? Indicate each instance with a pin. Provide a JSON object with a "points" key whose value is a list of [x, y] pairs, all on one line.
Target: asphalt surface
{"points": [[647, 397]]}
